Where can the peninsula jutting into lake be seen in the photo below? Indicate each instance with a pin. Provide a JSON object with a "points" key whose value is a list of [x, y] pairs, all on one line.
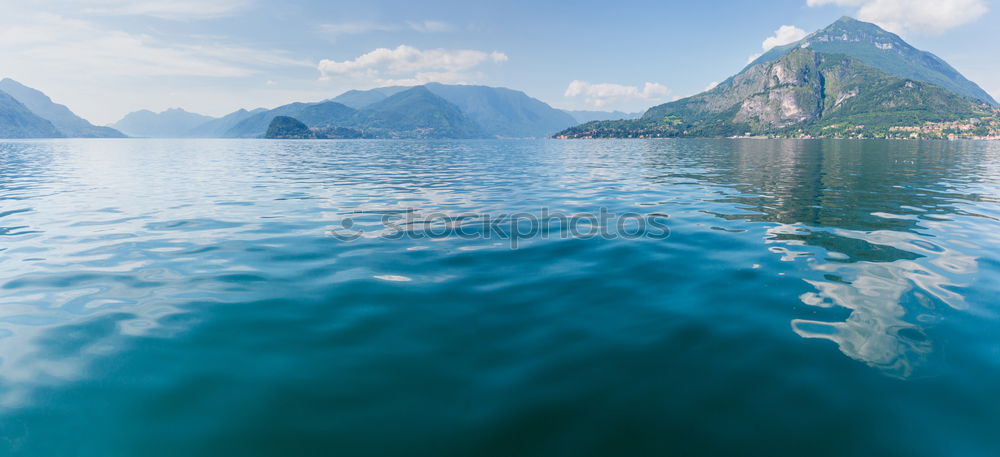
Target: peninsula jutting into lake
{"points": [[439, 228]]}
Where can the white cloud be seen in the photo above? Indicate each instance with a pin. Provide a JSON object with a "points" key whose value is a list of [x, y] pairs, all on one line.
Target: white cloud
{"points": [[604, 94], [919, 16], [164, 9], [785, 34], [60, 44], [336, 30], [410, 65], [429, 26], [711, 85], [91, 67]]}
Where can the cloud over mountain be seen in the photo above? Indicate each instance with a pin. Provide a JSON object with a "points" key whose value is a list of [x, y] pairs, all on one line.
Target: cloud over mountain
{"points": [[603, 94], [917, 16], [784, 35], [410, 65]]}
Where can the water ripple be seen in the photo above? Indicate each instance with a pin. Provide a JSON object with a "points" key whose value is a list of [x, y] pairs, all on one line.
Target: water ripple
{"points": [[193, 288]]}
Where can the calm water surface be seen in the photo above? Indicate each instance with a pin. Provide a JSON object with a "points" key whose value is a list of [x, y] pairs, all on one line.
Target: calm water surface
{"points": [[186, 298]]}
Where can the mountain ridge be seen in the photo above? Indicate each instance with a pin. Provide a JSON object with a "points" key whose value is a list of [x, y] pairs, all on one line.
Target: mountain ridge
{"points": [[17, 121], [61, 117]]}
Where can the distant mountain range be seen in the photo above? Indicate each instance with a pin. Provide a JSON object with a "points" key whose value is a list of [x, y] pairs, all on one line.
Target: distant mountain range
{"points": [[427, 111], [850, 79], [414, 112], [432, 110], [28, 113], [217, 128], [172, 123]]}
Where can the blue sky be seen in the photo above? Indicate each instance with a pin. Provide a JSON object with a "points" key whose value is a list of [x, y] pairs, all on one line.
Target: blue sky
{"points": [[105, 58]]}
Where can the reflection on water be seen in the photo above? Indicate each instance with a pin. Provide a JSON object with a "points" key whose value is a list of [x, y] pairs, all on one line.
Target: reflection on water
{"points": [[878, 234], [889, 300]]}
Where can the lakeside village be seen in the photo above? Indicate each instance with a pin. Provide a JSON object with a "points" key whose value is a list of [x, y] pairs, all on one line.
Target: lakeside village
{"points": [[983, 128]]}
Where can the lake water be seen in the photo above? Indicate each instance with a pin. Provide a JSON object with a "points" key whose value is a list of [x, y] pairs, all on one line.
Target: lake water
{"points": [[245, 298]]}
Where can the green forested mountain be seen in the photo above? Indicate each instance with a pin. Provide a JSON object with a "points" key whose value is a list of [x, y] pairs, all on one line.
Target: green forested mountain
{"points": [[60, 116], [417, 113], [885, 51], [284, 127], [17, 121], [327, 115], [802, 92], [360, 99]]}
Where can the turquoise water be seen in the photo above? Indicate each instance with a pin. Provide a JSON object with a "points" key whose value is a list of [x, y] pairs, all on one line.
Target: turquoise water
{"points": [[193, 298]]}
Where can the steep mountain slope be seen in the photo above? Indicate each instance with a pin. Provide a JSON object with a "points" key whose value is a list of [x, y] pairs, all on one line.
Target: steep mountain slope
{"points": [[505, 112], [60, 116], [17, 121], [417, 113], [885, 51], [217, 128], [172, 123], [804, 91]]}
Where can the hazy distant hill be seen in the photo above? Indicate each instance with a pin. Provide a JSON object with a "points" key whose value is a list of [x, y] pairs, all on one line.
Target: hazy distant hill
{"points": [[359, 99], [504, 112], [17, 121], [583, 116], [217, 128], [172, 123], [883, 50], [417, 113], [61, 117]]}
